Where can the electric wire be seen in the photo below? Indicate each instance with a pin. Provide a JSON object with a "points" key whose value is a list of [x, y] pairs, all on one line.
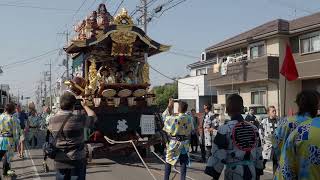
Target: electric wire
{"points": [[36, 7], [182, 54], [29, 60], [115, 12], [171, 7]]}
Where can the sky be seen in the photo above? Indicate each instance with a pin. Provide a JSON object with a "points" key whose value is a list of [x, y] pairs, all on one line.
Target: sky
{"points": [[189, 28]]}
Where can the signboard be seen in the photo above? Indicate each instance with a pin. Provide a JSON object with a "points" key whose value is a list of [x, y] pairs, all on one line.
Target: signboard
{"points": [[147, 123]]}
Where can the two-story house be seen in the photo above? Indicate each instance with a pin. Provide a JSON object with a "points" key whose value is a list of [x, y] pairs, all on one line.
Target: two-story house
{"points": [[195, 88], [249, 63]]}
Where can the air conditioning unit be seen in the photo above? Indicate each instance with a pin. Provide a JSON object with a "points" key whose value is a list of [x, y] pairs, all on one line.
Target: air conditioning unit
{"points": [[203, 56]]}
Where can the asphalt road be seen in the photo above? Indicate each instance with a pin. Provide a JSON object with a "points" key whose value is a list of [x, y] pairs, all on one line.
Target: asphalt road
{"points": [[121, 168]]}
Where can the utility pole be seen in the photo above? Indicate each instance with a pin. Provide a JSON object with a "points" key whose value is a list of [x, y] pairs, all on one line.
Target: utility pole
{"points": [[45, 88], [50, 82], [41, 93], [18, 97], [66, 33], [145, 15]]}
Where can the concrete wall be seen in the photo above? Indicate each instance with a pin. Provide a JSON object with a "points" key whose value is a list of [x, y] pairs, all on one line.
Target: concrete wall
{"points": [[200, 88], [191, 92]]}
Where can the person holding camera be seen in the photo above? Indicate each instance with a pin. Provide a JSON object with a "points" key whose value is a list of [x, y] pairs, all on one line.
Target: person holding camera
{"points": [[68, 130], [178, 128]]}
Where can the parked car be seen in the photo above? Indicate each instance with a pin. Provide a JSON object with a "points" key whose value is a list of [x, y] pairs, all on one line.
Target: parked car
{"points": [[260, 111]]}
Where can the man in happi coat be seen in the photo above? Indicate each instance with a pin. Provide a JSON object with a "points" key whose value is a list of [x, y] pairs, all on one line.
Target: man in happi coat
{"points": [[178, 128], [236, 147], [210, 124], [267, 128]]}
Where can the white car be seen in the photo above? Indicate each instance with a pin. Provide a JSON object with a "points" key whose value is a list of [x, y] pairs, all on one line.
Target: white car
{"points": [[260, 111]]}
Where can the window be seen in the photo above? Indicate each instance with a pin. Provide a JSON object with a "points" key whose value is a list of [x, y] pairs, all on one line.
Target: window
{"points": [[310, 44], [257, 51], [201, 71], [259, 97]]}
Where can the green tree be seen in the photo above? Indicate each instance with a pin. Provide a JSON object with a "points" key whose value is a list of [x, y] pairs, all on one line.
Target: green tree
{"points": [[163, 93]]}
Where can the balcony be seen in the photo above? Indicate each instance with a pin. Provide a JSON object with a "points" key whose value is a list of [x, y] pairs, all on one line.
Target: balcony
{"points": [[258, 69]]}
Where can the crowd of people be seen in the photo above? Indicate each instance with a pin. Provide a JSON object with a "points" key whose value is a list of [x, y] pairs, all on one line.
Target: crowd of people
{"points": [[18, 130], [242, 146]]}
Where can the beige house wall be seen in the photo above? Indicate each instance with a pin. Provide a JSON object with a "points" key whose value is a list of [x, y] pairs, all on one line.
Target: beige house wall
{"points": [[245, 90], [272, 46]]}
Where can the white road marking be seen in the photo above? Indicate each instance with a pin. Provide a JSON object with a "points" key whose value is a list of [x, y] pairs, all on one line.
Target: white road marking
{"points": [[34, 168]]}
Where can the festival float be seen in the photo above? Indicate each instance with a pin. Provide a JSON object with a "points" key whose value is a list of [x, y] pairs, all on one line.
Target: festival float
{"points": [[110, 71]]}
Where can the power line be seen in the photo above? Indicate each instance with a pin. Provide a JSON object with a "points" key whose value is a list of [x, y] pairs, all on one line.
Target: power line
{"points": [[75, 13], [171, 7], [170, 77], [36, 7], [32, 59], [182, 54], [118, 8], [292, 6], [92, 4]]}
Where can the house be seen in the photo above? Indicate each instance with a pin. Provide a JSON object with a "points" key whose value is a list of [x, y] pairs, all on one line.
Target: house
{"points": [[249, 63], [195, 88]]}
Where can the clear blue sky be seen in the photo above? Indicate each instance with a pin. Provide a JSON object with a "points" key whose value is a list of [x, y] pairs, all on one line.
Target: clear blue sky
{"points": [[189, 28]]}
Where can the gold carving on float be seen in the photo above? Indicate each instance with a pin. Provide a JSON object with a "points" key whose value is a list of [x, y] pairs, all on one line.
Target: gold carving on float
{"points": [[92, 76], [122, 43], [145, 73], [123, 18], [123, 38]]}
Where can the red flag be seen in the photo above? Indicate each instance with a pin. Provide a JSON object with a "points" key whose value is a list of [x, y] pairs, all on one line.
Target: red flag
{"points": [[289, 69]]}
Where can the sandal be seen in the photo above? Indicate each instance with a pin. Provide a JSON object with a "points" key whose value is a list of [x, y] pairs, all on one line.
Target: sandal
{"points": [[45, 167], [11, 173]]}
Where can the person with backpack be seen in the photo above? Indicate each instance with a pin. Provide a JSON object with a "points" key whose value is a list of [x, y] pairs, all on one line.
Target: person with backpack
{"points": [[236, 147], [67, 131]]}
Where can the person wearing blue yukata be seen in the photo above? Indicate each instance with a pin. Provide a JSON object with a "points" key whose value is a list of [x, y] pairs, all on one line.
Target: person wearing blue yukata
{"points": [[179, 128], [300, 155], [9, 137], [287, 124]]}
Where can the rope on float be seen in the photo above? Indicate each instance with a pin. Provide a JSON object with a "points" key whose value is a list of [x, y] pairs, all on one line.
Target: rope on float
{"points": [[131, 141], [174, 168], [111, 141]]}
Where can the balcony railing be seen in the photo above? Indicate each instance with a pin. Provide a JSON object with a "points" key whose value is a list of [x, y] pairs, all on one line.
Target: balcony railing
{"points": [[258, 69]]}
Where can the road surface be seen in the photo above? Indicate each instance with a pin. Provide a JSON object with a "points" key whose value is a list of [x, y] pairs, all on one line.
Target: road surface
{"points": [[123, 168]]}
